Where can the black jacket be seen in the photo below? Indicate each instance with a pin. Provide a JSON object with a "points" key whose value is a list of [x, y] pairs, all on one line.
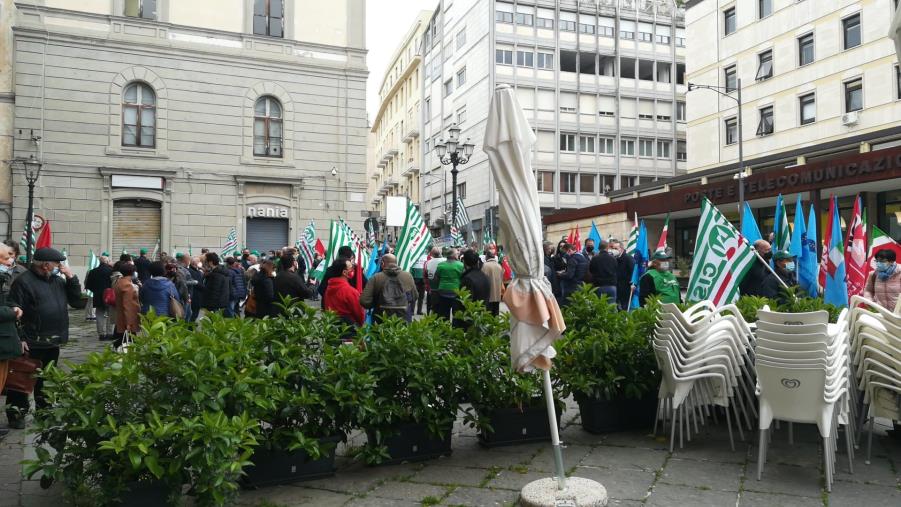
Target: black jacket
{"points": [[603, 269], [759, 281], [196, 288], [264, 295], [45, 318], [574, 276], [477, 283], [97, 281], [217, 289], [291, 285], [142, 266], [624, 266]]}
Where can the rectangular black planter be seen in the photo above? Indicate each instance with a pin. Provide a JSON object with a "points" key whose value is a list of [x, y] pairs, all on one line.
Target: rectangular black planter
{"points": [[413, 442], [603, 416], [517, 426], [144, 494], [282, 467]]}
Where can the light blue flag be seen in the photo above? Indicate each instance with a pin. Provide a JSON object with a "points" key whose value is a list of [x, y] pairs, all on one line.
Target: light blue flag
{"points": [[799, 232], [641, 263], [595, 236], [373, 266], [808, 263], [749, 229], [836, 290]]}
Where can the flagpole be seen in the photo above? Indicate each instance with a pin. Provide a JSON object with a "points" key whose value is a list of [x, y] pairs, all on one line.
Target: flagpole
{"points": [[555, 435]]}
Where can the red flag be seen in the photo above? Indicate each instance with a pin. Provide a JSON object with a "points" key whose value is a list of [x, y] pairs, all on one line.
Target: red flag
{"points": [[571, 237], [824, 258], [577, 240], [661, 245], [856, 252], [320, 248], [45, 240], [358, 270], [508, 272]]}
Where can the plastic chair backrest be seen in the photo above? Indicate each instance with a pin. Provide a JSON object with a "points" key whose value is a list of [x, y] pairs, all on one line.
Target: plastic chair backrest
{"points": [[793, 394], [794, 338], [817, 317], [795, 329]]}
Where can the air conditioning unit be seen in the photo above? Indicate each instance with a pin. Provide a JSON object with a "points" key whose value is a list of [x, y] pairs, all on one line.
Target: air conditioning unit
{"points": [[850, 118]]}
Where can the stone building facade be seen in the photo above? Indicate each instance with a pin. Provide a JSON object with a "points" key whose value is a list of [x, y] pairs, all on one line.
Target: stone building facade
{"points": [[152, 127]]}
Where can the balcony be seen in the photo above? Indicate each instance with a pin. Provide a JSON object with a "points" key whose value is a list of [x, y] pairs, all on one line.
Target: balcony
{"points": [[392, 182], [412, 168], [375, 175], [411, 132], [390, 153]]}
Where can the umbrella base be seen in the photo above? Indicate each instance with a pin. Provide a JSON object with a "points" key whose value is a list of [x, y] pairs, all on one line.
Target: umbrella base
{"points": [[579, 492]]}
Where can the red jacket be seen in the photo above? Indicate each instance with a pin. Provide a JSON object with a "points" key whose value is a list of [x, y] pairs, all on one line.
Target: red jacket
{"points": [[342, 298]]}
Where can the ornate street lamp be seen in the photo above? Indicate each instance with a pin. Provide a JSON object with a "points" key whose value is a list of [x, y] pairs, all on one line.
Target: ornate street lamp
{"points": [[31, 168], [453, 153]]}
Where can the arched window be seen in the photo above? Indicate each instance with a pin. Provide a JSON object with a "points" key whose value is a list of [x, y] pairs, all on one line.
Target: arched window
{"points": [[267, 127], [139, 116]]}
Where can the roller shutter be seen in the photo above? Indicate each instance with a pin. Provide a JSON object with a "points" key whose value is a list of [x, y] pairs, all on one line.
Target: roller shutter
{"points": [[136, 225], [267, 233]]}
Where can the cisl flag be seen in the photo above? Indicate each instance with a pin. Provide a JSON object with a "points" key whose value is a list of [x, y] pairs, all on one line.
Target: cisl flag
{"points": [[721, 259], [856, 252]]}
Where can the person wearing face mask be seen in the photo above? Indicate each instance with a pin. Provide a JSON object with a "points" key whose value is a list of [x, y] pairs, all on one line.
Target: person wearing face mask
{"points": [[10, 345], [602, 269], [624, 266], [786, 270], [43, 296], [588, 250], [659, 281], [884, 283], [759, 280], [343, 298]]}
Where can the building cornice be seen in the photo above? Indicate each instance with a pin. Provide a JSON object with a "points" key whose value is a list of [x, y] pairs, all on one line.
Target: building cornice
{"points": [[413, 65]]}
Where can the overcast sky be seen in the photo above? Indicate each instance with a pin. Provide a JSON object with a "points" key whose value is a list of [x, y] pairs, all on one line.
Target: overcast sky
{"points": [[386, 22]]}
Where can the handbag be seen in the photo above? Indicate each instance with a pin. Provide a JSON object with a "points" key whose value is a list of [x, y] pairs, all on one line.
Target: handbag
{"points": [[250, 306], [109, 296], [21, 376], [176, 310], [126, 342]]}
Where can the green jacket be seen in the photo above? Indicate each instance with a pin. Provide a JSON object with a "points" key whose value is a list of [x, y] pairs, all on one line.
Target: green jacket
{"points": [[10, 347], [447, 275], [662, 284]]}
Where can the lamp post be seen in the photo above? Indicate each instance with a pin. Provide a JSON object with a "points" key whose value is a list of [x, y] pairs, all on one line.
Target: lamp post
{"points": [[453, 153], [32, 170], [726, 92]]}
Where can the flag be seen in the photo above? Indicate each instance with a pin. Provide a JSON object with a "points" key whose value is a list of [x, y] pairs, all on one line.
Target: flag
{"points": [[24, 241], [373, 266], [305, 245], [826, 236], [156, 250], [799, 231], [594, 235], [836, 288], [749, 229], [462, 218], [45, 240], [414, 239], [320, 248], [93, 262], [856, 253], [231, 241], [338, 237], [456, 237], [640, 254], [575, 239], [633, 237], [357, 244], [661, 245], [780, 227], [486, 238], [881, 241], [721, 260], [808, 266]]}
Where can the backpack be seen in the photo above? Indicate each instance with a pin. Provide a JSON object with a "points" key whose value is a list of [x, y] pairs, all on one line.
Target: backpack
{"points": [[109, 296], [393, 294]]}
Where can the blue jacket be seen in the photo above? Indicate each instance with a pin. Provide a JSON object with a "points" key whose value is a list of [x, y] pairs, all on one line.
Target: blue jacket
{"points": [[239, 285], [155, 294], [572, 278]]}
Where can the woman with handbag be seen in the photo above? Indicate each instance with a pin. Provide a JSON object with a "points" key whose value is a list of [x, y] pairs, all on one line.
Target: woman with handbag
{"points": [[10, 346], [128, 308], [159, 293]]}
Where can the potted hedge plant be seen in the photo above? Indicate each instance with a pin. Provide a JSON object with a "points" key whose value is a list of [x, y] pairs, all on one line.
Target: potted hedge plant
{"points": [[507, 407], [606, 361], [417, 389]]}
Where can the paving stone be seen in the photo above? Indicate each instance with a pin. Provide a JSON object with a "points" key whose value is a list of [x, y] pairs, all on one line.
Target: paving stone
{"points": [[411, 491], [785, 479], [291, 496], [703, 474], [878, 472], [361, 479], [754, 499], [669, 495], [486, 458], [803, 454], [625, 458], [572, 457], [439, 474], [641, 439], [574, 434], [713, 447], [848, 494], [620, 484], [481, 497], [371, 501], [514, 480]]}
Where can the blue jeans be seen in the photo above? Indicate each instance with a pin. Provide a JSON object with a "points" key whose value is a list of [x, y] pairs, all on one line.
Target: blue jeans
{"points": [[609, 290]]}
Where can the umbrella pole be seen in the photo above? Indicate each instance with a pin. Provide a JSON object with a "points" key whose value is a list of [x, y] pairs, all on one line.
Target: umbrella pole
{"points": [[555, 435]]}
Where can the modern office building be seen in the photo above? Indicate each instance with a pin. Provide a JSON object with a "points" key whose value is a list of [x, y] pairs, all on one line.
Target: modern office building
{"points": [[821, 115], [394, 163], [602, 83], [7, 17], [174, 121]]}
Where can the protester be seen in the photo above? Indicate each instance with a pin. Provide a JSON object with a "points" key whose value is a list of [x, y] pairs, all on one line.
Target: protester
{"points": [[884, 283], [588, 251], [574, 276], [603, 270], [238, 286], [10, 345], [659, 281], [156, 292], [142, 266], [431, 266], [758, 281], [197, 288], [289, 284], [786, 275], [418, 273], [390, 291], [474, 280], [495, 275], [97, 281], [549, 271], [181, 285], [341, 297], [42, 295], [18, 261], [216, 286], [625, 264], [333, 271], [245, 259], [445, 282], [263, 290], [183, 262], [128, 307]]}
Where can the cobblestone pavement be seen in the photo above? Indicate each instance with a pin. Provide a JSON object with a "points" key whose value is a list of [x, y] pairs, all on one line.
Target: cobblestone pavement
{"points": [[634, 467]]}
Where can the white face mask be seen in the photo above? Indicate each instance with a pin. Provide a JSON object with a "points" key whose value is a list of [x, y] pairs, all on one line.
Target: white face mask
{"points": [[664, 266]]}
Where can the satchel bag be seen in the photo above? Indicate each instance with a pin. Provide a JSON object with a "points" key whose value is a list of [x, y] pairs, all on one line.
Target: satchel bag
{"points": [[250, 306], [176, 310], [21, 376], [109, 296]]}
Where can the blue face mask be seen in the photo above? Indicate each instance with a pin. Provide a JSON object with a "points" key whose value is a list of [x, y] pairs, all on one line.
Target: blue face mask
{"points": [[4, 268], [883, 267], [790, 267], [55, 271]]}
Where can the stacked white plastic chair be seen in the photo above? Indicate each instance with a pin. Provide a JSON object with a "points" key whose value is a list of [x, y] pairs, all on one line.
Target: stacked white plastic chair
{"points": [[876, 358], [704, 355], [803, 376]]}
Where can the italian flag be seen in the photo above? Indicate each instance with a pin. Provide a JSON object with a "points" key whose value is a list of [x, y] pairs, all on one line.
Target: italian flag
{"points": [[661, 245], [881, 241]]}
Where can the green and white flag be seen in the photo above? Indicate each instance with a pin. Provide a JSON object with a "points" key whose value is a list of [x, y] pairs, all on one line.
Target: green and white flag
{"points": [[721, 260], [156, 250], [93, 262], [414, 239], [305, 245], [339, 235], [782, 233], [632, 243], [231, 242]]}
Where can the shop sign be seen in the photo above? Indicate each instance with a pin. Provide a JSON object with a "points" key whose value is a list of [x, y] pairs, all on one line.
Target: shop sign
{"points": [[267, 212]]}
